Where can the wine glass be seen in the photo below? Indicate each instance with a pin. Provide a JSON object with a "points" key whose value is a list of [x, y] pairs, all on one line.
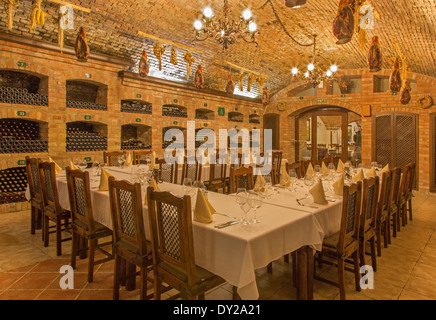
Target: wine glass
{"points": [[94, 171], [293, 176], [268, 185], [187, 185], [121, 160], [200, 185], [82, 165], [256, 203], [317, 169], [242, 200]]}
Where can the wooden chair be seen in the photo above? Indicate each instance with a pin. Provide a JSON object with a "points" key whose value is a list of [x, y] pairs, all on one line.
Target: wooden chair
{"points": [[304, 165], [191, 170], [393, 201], [34, 181], [410, 190], [271, 173], [173, 247], [52, 210], [241, 178], [217, 175], [130, 244], [111, 158], [403, 195], [294, 166], [167, 172], [368, 218], [345, 243], [383, 213], [277, 163], [138, 154], [83, 224]]}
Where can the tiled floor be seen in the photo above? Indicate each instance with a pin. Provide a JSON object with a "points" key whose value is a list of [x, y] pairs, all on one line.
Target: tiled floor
{"points": [[406, 270]]}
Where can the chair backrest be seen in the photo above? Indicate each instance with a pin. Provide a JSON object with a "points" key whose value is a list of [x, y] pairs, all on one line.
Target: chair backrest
{"points": [[167, 172], [411, 178], [127, 215], [239, 161], [171, 229], [294, 166], [404, 184], [111, 158], [191, 170], [386, 184], [49, 187], [79, 192], [33, 178], [395, 188], [277, 157], [241, 178], [217, 171], [139, 154], [370, 193], [351, 206], [304, 166]]}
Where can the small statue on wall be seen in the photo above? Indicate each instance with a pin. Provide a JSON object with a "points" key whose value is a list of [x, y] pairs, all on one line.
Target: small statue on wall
{"points": [[265, 96], [395, 78], [343, 25], [199, 79], [144, 67], [230, 88], [375, 58], [82, 49], [405, 95]]}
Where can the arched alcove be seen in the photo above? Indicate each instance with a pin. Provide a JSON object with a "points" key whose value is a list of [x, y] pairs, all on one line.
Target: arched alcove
{"points": [[136, 137], [86, 94], [23, 136], [86, 136], [174, 110], [136, 106]]}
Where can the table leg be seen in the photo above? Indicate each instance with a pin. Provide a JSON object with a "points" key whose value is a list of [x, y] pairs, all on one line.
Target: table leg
{"points": [[310, 272], [302, 272]]}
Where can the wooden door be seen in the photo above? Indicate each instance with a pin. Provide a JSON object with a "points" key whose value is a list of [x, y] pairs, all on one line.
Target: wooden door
{"points": [[272, 121], [433, 152]]}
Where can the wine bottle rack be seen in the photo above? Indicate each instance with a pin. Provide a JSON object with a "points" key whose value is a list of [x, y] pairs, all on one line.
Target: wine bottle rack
{"points": [[134, 144], [136, 106], [22, 96], [13, 184], [79, 139], [174, 111], [86, 105], [255, 121], [20, 136]]}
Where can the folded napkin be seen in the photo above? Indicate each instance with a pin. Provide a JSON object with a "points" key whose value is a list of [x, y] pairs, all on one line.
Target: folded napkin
{"points": [[340, 168], [318, 193], [338, 186], [309, 172], [324, 170], [153, 161], [73, 166], [129, 159], [203, 210], [57, 167], [360, 176], [260, 184], [285, 179], [154, 185], [104, 180], [371, 173], [385, 169]]}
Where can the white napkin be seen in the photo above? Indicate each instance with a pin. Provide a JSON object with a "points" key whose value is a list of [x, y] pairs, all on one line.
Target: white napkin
{"points": [[57, 167], [371, 173], [360, 176], [309, 172], [338, 186], [104, 180], [318, 193], [203, 210], [340, 168], [324, 170]]}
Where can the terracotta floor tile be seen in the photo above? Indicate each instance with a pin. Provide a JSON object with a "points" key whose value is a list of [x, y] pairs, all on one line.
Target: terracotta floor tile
{"points": [[7, 279], [58, 295], [35, 281], [95, 295], [20, 294], [52, 265]]}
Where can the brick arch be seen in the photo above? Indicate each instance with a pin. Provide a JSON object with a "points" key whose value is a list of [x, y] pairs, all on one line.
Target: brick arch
{"points": [[132, 121], [35, 69], [95, 118], [329, 103], [31, 114]]}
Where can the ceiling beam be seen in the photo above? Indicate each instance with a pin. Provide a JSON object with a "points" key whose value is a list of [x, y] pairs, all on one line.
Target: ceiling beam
{"points": [[61, 2], [146, 35]]}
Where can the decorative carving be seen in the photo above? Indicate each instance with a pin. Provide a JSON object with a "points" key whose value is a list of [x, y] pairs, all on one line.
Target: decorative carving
{"points": [[281, 106], [424, 102]]}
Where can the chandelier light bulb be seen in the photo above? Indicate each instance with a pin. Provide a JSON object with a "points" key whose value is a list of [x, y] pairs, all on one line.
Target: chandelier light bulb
{"points": [[247, 14], [310, 67], [294, 71], [334, 68], [306, 74], [329, 73], [207, 12], [252, 26], [198, 25]]}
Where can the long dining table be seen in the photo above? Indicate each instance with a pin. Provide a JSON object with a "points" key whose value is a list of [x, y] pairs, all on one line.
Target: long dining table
{"points": [[235, 252]]}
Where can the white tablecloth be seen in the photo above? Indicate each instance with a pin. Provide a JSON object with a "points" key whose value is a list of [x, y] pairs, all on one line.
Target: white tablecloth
{"points": [[234, 253]]}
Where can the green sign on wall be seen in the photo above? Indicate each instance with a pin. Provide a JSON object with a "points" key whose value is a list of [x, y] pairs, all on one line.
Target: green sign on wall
{"points": [[87, 117], [205, 124], [21, 64], [175, 122], [320, 100], [138, 95], [343, 96], [21, 162], [21, 113], [138, 120], [88, 159], [88, 75], [176, 101], [205, 104], [221, 111], [301, 98]]}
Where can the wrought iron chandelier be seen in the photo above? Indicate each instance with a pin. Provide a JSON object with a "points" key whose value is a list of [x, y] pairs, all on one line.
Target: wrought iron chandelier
{"points": [[314, 74], [226, 30]]}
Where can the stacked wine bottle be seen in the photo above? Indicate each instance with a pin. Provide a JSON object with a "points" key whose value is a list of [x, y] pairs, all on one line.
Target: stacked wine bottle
{"points": [[85, 140], [257, 121], [20, 136], [135, 106], [235, 120], [134, 144], [201, 116], [13, 183], [168, 111], [22, 96], [86, 105]]}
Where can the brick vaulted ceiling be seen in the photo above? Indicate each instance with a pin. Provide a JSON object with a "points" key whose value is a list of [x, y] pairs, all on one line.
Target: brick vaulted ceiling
{"points": [[112, 28]]}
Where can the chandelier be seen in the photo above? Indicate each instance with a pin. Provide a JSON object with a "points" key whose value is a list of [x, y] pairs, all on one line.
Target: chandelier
{"points": [[314, 74], [225, 30]]}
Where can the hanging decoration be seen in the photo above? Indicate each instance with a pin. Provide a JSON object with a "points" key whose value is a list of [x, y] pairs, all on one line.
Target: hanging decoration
{"points": [[375, 58], [189, 60], [424, 102], [173, 58], [144, 67], [260, 82], [9, 7], [395, 78], [230, 88], [241, 77], [404, 67], [343, 25], [251, 79], [265, 96], [199, 79], [81, 47], [405, 96], [159, 50], [37, 16], [58, 20]]}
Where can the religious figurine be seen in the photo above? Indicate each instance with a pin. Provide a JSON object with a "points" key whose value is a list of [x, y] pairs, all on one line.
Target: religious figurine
{"points": [[144, 67], [343, 25], [375, 58], [199, 79], [395, 79], [82, 49]]}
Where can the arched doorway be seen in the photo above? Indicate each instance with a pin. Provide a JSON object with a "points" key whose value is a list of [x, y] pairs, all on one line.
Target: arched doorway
{"points": [[328, 132]]}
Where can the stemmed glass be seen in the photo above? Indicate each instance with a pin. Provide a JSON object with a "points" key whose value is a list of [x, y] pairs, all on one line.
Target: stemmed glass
{"points": [[293, 176], [268, 185], [200, 185], [121, 160], [82, 164], [317, 169], [187, 185], [94, 170], [242, 200], [256, 203]]}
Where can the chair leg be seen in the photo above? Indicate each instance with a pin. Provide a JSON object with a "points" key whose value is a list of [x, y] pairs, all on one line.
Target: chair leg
{"points": [[58, 236], [294, 268], [32, 220], [388, 230], [123, 271], [157, 286], [46, 230], [116, 289], [404, 215], [75, 240], [356, 270], [394, 225], [373, 254], [143, 286], [91, 253], [410, 208], [362, 252], [341, 278], [379, 235], [286, 258], [399, 219]]}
